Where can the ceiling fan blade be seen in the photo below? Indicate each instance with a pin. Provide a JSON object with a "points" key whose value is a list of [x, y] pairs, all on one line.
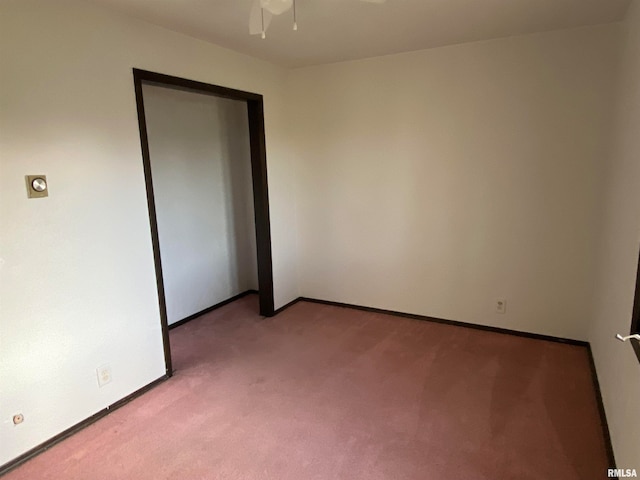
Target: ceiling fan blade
{"points": [[255, 18]]}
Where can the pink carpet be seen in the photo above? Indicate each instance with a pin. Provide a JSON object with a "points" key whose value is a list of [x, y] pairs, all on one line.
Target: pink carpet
{"points": [[321, 392]]}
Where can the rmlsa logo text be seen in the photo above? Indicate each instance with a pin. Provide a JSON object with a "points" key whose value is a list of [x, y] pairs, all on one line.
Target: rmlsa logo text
{"points": [[621, 472]]}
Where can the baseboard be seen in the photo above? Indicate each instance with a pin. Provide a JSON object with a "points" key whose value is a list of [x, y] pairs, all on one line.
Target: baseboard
{"points": [[290, 304], [77, 427], [209, 309], [603, 414], [447, 322]]}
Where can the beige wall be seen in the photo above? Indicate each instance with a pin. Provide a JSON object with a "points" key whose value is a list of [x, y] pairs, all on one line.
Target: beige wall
{"points": [[617, 365], [438, 181], [77, 283]]}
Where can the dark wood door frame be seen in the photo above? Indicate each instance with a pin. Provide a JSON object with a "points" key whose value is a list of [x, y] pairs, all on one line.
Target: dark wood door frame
{"points": [[635, 316], [255, 110]]}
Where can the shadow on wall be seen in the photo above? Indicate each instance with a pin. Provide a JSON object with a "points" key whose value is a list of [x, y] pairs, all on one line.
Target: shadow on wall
{"points": [[237, 175]]}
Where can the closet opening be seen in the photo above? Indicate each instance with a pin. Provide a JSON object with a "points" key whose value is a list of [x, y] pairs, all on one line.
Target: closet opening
{"points": [[204, 160]]}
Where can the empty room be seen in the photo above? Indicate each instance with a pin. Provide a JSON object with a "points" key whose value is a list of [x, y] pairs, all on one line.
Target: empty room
{"points": [[319, 239]]}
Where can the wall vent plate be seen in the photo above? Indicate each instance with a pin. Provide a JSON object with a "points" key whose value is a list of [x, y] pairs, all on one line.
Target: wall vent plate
{"points": [[37, 186]]}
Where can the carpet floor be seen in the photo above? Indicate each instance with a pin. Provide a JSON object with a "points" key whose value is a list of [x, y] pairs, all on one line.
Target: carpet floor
{"points": [[323, 392]]}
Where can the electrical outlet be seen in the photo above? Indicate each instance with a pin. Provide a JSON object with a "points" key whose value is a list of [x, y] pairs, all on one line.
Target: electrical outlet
{"points": [[501, 305], [18, 419], [104, 375]]}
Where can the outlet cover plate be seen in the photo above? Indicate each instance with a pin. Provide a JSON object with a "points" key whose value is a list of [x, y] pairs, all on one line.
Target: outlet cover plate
{"points": [[501, 305], [104, 375]]}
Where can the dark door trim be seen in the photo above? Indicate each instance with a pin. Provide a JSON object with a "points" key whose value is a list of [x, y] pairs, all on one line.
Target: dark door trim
{"points": [[255, 110], [635, 316]]}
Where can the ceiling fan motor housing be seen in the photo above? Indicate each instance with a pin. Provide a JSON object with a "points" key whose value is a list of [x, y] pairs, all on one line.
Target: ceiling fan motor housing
{"points": [[276, 7]]}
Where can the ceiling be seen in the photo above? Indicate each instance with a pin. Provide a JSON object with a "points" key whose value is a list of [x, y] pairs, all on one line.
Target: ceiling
{"points": [[337, 30]]}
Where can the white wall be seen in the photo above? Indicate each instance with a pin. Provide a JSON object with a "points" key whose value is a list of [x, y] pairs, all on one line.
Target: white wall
{"points": [[435, 182], [77, 284], [201, 168], [432, 182], [617, 366]]}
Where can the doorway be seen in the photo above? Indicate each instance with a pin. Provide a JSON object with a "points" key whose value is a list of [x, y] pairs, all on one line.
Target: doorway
{"points": [[258, 174]]}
